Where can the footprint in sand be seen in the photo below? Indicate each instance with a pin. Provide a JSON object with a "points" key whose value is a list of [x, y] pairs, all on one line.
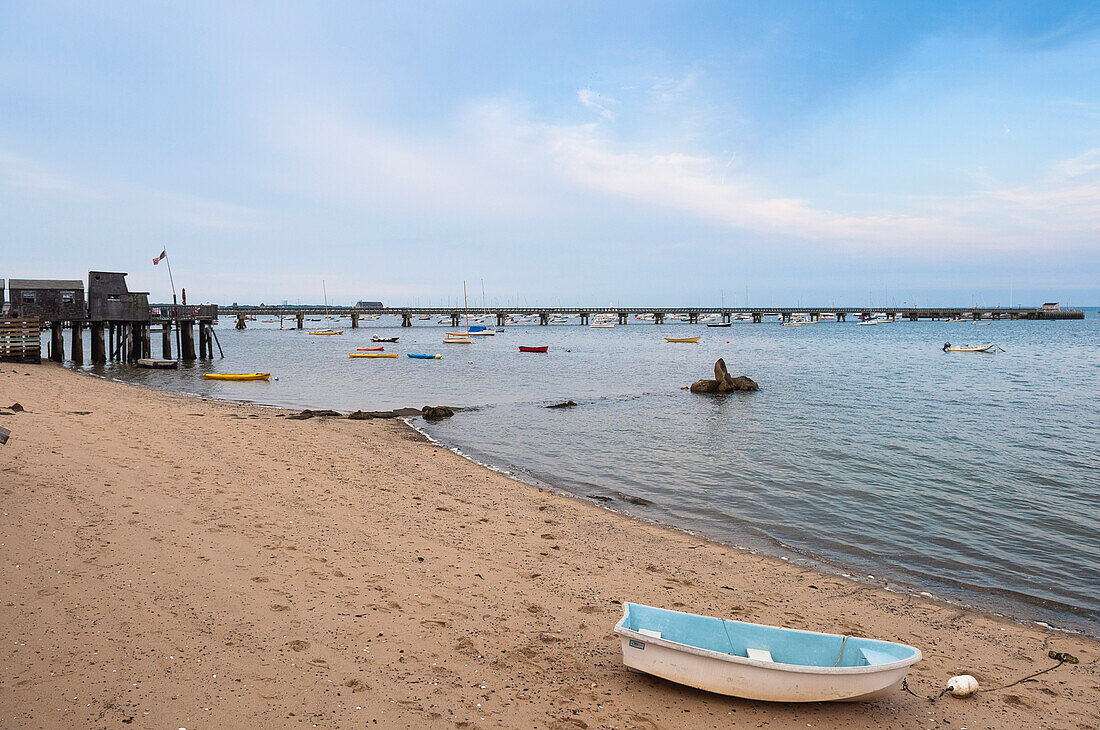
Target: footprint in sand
{"points": [[298, 645], [279, 607]]}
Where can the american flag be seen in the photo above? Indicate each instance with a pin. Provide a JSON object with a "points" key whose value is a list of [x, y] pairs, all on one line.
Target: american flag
{"points": [[158, 259]]}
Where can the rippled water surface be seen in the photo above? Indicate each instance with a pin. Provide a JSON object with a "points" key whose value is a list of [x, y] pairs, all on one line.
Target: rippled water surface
{"points": [[973, 476]]}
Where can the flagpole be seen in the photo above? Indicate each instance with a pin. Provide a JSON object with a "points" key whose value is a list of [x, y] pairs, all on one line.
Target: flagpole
{"points": [[173, 281]]}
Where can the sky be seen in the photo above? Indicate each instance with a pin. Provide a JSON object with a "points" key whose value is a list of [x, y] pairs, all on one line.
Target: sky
{"points": [[681, 153]]}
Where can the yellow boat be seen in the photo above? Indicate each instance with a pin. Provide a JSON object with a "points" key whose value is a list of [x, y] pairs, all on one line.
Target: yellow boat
{"points": [[328, 332], [236, 376], [371, 354], [682, 339]]}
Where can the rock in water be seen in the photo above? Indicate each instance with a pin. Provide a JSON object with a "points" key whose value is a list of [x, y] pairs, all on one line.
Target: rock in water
{"points": [[723, 382], [566, 404], [436, 413]]}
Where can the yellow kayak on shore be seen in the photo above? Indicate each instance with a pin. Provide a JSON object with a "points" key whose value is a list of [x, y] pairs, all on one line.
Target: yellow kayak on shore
{"points": [[682, 339], [236, 376], [371, 354]]}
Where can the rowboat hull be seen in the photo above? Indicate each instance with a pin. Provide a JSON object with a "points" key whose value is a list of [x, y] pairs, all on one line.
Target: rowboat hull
{"points": [[425, 357], [371, 354], [854, 680], [328, 332], [370, 349], [236, 376], [986, 348], [462, 340], [384, 339], [687, 340], [544, 348]]}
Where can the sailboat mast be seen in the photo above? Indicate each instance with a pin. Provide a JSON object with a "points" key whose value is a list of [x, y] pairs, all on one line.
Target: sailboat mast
{"points": [[466, 306], [325, 292]]}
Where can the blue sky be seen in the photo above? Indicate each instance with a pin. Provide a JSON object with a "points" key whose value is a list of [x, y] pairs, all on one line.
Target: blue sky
{"points": [[635, 153]]}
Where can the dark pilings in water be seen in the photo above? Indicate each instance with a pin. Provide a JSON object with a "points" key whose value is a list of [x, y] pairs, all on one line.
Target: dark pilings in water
{"points": [[99, 352], [187, 331], [78, 343]]}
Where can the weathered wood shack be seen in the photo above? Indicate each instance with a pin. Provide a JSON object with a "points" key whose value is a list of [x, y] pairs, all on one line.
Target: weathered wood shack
{"points": [[49, 300]]}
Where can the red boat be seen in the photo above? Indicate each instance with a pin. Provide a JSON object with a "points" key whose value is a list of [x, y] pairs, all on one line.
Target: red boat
{"points": [[370, 349], [544, 348]]}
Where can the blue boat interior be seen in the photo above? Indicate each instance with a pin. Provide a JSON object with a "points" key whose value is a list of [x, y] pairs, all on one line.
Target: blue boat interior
{"points": [[786, 646]]}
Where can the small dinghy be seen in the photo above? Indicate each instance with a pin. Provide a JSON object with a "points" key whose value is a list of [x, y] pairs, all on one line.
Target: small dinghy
{"points": [[327, 332], [417, 356], [458, 340], [969, 348], [156, 362], [541, 348], [236, 376], [689, 340], [370, 349], [371, 354], [376, 338], [760, 662], [718, 324]]}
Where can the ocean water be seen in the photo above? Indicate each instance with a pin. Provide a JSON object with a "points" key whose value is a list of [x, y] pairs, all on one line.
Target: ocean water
{"points": [[867, 450]]}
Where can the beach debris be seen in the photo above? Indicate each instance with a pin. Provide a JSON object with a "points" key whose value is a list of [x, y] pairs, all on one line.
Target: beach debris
{"points": [[15, 408], [307, 413], [396, 413], [723, 382], [566, 404], [962, 686], [4, 434], [436, 413]]}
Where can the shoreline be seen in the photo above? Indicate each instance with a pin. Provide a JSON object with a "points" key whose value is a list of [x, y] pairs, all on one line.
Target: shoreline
{"points": [[513, 583], [962, 597]]}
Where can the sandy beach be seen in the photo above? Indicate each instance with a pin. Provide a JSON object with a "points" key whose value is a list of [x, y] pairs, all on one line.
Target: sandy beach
{"points": [[171, 562]]}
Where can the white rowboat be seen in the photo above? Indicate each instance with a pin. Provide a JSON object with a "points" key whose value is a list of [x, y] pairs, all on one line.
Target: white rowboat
{"points": [[760, 662]]}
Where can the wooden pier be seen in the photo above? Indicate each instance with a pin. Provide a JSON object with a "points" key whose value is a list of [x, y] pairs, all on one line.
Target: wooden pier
{"points": [[119, 321], [657, 315]]}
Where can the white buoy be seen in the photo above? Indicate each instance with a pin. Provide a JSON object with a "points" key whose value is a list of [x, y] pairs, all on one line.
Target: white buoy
{"points": [[962, 686]]}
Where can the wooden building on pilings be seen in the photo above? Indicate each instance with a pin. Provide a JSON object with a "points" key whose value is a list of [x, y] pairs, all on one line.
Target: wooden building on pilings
{"points": [[119, 320]]}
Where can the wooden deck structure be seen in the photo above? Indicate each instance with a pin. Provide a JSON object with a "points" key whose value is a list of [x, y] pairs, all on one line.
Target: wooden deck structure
{"points": [[20, 340]]}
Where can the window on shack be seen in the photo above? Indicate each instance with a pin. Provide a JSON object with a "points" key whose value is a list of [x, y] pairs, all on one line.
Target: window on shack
{"points": [[67, 297], [28, 297]]}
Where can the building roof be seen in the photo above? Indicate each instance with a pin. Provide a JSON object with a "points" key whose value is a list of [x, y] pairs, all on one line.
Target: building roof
{"points": [[45, 284]]}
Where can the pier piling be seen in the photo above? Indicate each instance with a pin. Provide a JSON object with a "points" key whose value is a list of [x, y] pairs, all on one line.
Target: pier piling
{"points": [[78, 343]]}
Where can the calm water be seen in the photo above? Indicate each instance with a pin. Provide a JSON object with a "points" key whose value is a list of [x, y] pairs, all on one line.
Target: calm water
{"points": [[972, 476]]}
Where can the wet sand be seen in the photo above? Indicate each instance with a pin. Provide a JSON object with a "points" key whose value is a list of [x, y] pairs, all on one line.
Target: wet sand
{"points": [[173, 562]]}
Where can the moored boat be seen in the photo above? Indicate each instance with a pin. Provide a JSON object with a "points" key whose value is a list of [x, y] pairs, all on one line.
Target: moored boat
{"points": [[236, 376], [540, 348], [370, 349], [718, 324], [689, 340], [417, 356], [458, 340], [969, 348], [327, 332], [372, 354], [376, 338], [760, 662]]}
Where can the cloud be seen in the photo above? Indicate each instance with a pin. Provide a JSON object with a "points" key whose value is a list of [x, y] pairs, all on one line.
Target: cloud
{"points": [[596, 103], [495, 162], [31, 178]]}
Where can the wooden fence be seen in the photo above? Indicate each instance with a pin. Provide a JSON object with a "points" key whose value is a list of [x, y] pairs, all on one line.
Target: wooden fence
{"points": [[20, 340]]}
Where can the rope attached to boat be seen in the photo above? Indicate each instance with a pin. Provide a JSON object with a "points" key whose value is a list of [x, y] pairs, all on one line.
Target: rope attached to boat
{"points": [[1059, 656], [843, 641], [728, 639]]}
